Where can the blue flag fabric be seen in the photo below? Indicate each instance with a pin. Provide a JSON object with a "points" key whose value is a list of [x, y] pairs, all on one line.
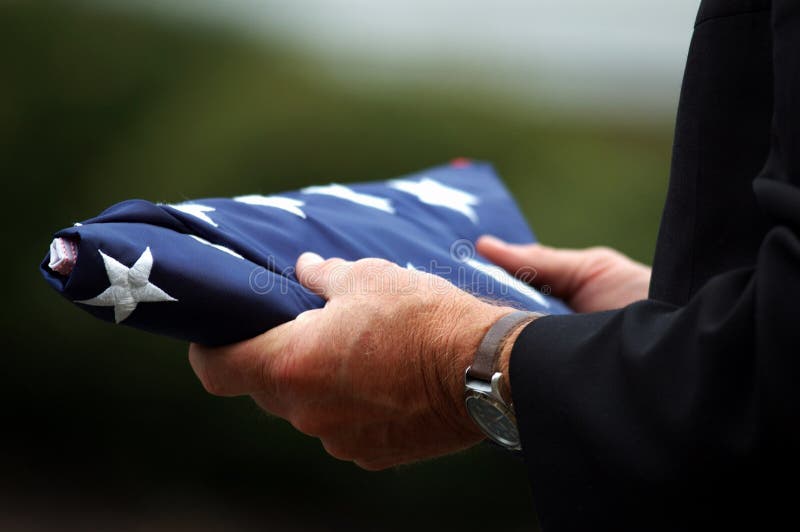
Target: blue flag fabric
{"points": [[220, 270]]}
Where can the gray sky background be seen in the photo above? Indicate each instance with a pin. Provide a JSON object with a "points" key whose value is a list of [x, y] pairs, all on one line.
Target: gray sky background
{"points": [[612, 56]]}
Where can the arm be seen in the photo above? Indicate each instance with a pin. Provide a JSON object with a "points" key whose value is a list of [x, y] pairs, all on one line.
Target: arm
{"points": [[623, 411], [643, 417]]}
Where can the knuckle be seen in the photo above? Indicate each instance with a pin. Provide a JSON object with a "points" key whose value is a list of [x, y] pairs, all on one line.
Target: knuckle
{"points": [[532, 252], [377, 276], [338, 450], [206, 376], [603, 253], [211, 382], [316, 275], [372, 465], [333, 262], [372, 265], [271, 406], [307, 423], [337, 274], [601, 250], [195, 351]]}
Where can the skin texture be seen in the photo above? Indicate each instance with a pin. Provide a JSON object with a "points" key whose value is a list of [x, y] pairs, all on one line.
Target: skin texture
{"points": [[378, 373]]}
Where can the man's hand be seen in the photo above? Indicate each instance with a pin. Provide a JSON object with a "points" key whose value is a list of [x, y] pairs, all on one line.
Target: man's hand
{"points": [[588, 280], [377, 374]]}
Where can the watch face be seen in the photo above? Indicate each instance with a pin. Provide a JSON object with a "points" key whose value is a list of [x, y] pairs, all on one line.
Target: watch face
{"points": [[494, 419]]}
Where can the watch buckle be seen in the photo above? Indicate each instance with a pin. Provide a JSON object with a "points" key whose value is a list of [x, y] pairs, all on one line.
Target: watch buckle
{"points": [[496, 388]]}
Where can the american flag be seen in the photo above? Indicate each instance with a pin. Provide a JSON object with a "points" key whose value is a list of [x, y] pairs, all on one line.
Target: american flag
{"points": [[220, 270]]}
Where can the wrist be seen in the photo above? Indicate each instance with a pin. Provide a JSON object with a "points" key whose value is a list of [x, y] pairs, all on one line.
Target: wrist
{"points": [[487, 396], [466, 327], [504, 359]]}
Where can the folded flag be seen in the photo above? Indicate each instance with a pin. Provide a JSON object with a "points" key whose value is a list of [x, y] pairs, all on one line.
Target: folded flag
{"points": [[220, 270]]}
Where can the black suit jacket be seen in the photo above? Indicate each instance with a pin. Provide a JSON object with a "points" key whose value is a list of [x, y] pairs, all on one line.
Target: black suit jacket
{"points": [[682, 411]]}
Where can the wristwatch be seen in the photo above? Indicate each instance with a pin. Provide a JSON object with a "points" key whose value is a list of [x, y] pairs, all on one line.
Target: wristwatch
{"points": [[484, 386]]}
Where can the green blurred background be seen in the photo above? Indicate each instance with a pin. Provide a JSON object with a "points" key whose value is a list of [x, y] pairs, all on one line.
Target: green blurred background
{"points": [[105, 428]]}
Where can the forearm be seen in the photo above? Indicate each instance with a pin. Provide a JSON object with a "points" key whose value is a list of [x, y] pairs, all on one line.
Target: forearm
{"points": [[652, 395]]}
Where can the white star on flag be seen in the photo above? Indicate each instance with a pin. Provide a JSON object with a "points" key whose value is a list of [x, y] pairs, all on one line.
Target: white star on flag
{"points": [[196, 210], [129, 286], [341, 191], [434, 193], [229, 251], [500, 275], [278, 202]]}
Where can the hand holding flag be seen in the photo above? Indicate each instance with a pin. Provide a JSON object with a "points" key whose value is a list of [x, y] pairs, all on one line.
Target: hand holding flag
{"points": [[377, 374]]}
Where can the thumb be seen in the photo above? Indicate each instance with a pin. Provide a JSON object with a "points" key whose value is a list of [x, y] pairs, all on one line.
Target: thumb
{"points": [[536, 264], [326, 278]]}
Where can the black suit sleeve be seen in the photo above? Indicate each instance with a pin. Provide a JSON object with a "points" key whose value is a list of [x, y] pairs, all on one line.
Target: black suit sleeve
{"points": [[665, 417]]}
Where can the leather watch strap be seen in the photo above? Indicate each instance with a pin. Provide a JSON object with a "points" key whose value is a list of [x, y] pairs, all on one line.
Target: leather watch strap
{"points": [[486, 357]]}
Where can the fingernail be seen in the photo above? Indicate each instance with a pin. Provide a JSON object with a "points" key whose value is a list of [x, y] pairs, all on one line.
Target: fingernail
{"points": [[309, 257]]}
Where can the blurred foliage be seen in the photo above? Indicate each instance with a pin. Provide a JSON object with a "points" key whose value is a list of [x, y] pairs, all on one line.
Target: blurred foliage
{"points": [[97, 107]]}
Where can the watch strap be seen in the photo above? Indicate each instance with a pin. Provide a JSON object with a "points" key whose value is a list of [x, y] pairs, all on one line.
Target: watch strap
{"points": [[483, 365]]}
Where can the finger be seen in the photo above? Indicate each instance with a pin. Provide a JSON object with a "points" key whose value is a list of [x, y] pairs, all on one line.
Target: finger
{"points": [[271, 405], [535, 263], [326, 278], [243, 368]]}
